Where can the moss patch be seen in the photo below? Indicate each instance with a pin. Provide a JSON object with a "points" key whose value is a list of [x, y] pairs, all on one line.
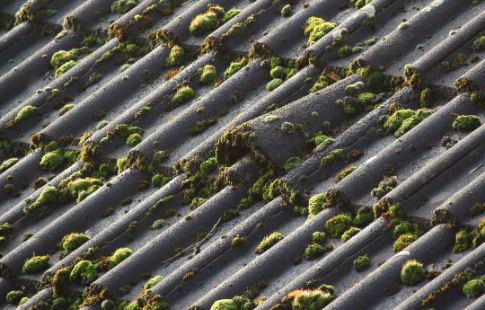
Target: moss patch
{"points": [[316, 27], [73, 241], [401, 121], [64, 68], [208, 74], [412, 272], [83, 270], [7, 163], [118, 256], [466, 122], [14, 297], [176, 56], [207, 22], [235, 66], [183, 95], [474, 287], [338, 224], [361, 263], [269, 241], [25, 113], [36, 264], [123, 6]]}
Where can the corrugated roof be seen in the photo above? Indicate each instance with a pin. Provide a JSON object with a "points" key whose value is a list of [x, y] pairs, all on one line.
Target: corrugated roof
{"points": [[248, 161]]}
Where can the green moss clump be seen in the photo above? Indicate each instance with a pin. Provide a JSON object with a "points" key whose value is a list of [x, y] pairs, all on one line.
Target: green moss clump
{"points": [[338, 224], [65, 108], [176, 56], [322, 82], [80, 188], [7, 163], [333, 198], [349, 233], [122, 164], [25, 112], [366, 98], [64, 68], [269, 241], [313, 251], [224, 304], [405, 227], [363, 217], [52, 160], [286, 10], [83, 270], [208, 74], [403, 241], [273, 84], [61, 57], [386, 185], [316, 28], [343, 173], [361, 263], [466, 122], [332, 157], [358, 4], [463, 241], [479, 44], [36, 264], [412, 272], [183, 95], [235, 66], [118, 256], [14, 297], [50, 194], [231, 14], [6, 229], [159, 180], [73, 241], [344, 51], [474, 287], [425, 97], [123, 6], [133, 139], [238, 241], [293, 163], [152, 282], [401, 121], [311, 299], [208, 166], [207, 22]]}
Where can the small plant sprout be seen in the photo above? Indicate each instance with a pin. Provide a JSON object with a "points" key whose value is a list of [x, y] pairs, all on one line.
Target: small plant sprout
{"points": [[269, 241], [83, 270], [474, 287], [73, 241], [412, 272], [361, 263], [36, 264], [466, 122], [118, 256]]}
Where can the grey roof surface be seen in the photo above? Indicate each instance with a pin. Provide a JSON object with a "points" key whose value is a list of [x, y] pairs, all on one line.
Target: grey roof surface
{"points": [[419, 56]]}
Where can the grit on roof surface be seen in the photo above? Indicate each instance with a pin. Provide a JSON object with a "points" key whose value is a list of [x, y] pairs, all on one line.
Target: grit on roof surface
{"points": [[229, 155]]}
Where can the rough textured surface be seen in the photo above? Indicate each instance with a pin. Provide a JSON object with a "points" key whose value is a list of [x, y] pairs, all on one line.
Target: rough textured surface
{"points": [[240, 154]]}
